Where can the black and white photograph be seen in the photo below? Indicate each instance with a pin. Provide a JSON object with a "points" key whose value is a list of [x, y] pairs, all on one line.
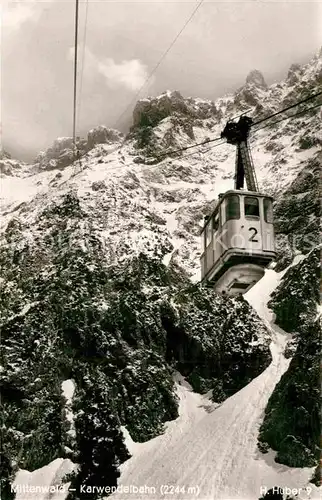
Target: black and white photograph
{"points": [[160, 249]]}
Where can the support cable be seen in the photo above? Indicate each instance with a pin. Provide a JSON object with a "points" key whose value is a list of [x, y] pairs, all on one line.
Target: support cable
{"points": [[202, 151], [289, 116], [267, 118], [75, 77], [159, 62], [194, 152], [173, 151], [83, 65], [286, 109]]}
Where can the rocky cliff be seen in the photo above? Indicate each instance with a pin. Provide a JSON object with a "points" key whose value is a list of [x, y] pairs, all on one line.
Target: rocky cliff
{"points": [[62, 153], [292, 418], [117, 332]]}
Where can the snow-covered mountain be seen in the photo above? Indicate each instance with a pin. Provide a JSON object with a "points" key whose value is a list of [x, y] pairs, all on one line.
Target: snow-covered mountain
{"points": [[160, 206], [100, 261]]}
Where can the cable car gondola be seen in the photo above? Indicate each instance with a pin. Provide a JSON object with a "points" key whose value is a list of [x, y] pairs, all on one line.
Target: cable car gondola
{"points": [[238, 237]]}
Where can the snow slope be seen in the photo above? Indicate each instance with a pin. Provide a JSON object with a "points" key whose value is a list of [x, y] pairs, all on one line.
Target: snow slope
{"points": [[44, 483], [213, 453], [68, 389]]}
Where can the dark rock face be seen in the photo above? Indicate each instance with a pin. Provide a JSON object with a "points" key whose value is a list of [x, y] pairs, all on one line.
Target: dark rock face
{"points": [[292, 422], [4, 155], [256, 78], [294, 301], [117, 332], [183, 115], [9, 166], [210, 346], [251, 94], [296, 215], [98, 439], [102, 135], [294, 74], [152, 111], [60, 154]]}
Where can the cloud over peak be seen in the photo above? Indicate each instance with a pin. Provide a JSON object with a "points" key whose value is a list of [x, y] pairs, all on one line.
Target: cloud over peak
{"points": [[130, 74]]}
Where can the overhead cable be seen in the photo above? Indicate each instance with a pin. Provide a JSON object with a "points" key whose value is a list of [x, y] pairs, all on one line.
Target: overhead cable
{"points": [[167, 153], [83, 64], [173, 151], [159, 62], [289, 116], [194, 152], [204, 151], [286, 109], [75, 75]]}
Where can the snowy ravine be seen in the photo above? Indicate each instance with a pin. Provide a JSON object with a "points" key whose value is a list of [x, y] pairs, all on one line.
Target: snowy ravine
{"points": [[213, 451], [209, 448]]}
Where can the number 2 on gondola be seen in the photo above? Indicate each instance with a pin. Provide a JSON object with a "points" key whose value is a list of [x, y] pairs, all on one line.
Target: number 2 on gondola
{"points": [[252, 237]]}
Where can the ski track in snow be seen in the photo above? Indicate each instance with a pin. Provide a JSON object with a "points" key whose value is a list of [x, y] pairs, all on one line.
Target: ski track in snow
{"points": [[214, 452], [209, 448]]}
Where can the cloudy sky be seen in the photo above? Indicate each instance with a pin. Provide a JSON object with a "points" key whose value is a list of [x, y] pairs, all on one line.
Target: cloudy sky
{"points": [[124, 41]]}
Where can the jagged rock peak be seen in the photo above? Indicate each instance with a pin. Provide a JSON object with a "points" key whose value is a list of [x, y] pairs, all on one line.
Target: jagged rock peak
{"points": [[256, 77], [4, 155], [60, 154], [294, 67], [8, 165], [152, 110], [294, 73], [102, 135]]}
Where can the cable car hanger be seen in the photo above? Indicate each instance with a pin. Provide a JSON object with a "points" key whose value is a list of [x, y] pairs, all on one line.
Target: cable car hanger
{"points": [[238, 237]]}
